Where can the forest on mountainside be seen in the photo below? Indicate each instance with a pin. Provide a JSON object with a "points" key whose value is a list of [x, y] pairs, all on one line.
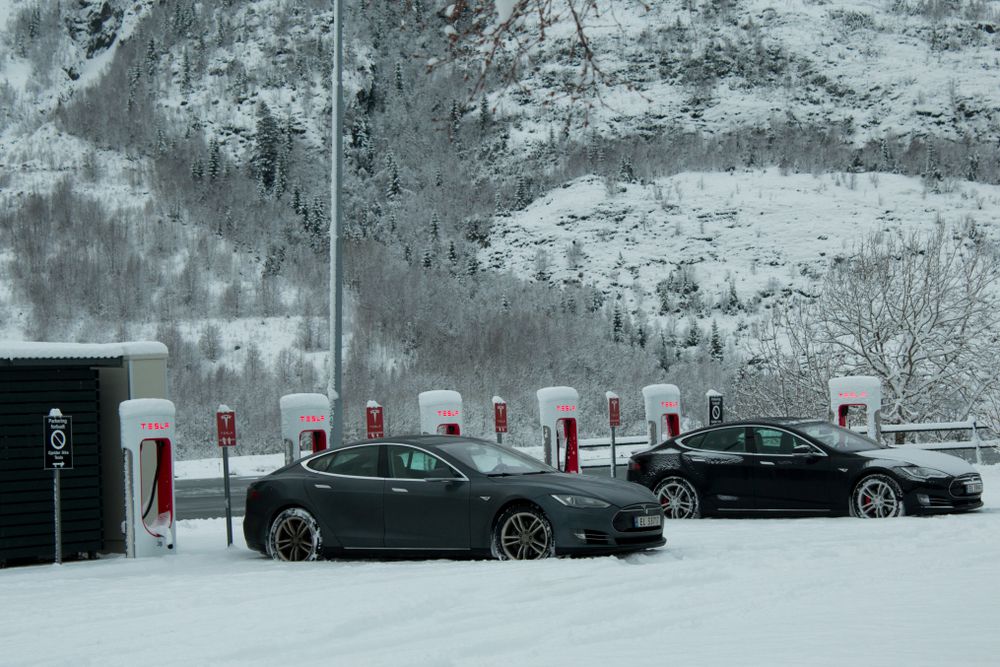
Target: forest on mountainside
{"points": [[218, 112]]}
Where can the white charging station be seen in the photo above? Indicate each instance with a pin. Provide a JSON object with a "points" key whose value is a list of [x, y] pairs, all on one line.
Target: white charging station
{"points": [[440, 412], [557, 410], [305, 424], [862, 391], [147, 437], [663, 411]]}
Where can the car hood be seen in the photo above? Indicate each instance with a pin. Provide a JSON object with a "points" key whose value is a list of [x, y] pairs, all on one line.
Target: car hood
{"points": [[615, 491], [921, 457]]}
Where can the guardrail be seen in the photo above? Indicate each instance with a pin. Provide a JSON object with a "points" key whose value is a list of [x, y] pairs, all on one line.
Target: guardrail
{"points": [[974, 442]]}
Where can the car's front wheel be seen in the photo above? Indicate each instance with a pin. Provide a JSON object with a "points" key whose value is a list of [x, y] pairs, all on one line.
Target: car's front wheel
{"points": [[523, 532], [877, 497], [678, 498], [294, 536]]}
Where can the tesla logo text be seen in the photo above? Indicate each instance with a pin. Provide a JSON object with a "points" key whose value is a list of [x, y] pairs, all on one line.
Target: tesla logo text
{"points": [[669, 404], [154, 426], [566, 408], [447, 413], [312, 419], [853, 394]]}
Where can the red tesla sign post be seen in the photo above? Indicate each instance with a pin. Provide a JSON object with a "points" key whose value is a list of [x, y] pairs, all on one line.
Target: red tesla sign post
{"points": [[375, 418], [615, 420], [225, 426], [499, 417]]}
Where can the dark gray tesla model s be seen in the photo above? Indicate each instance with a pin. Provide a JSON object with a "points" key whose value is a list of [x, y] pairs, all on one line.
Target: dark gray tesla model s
{"points": [[443, 495]]}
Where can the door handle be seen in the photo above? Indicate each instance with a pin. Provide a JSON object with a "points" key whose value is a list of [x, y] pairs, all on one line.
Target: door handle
{"points": [[767, 463], [322, 486], [399, 490]]}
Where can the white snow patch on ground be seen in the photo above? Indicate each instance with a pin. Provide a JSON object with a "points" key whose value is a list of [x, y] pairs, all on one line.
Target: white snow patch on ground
{"points": [[914, 591]]}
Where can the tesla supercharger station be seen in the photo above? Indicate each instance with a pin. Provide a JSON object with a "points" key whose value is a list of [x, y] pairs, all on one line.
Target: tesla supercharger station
{"points": [[557, 411], [147, 432], [440, 412], [305, 424], [663, 411], [857, 391]]}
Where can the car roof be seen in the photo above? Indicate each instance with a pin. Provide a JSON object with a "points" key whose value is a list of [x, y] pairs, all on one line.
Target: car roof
{"points": [[419, 439], [787, 422]]}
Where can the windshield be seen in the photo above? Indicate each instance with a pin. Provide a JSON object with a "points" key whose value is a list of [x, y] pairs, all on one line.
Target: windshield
{"points": [[491, 459], [838, 438]]}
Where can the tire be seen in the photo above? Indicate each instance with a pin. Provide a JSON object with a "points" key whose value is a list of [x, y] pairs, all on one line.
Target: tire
{"points": [[294, 536], [678, 498], [523, 532], [877, 497]]}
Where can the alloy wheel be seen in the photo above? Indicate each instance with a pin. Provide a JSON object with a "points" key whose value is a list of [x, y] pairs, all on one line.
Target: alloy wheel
{"points": [[876, 498], [525, 536], [294, 536], [678, 498]]}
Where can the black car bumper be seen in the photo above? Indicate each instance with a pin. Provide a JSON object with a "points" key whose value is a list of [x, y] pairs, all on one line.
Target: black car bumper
{"points": [[942, 496], [613, 530]]}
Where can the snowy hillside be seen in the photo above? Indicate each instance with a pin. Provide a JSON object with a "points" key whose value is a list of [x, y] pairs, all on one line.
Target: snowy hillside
{"points": [[905, 68], [736, 147], [763, 233]]}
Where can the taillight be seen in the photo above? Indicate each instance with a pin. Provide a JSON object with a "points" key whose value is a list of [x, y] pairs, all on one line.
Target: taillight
{"points": [[252, 494], [634, 465]]}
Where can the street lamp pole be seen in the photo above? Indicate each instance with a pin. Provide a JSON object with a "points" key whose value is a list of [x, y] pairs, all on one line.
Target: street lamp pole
{"points": [[333, 388]]}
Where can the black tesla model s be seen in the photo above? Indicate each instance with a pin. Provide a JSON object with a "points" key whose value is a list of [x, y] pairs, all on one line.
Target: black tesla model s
{"points": [[799, 467], [444, 495]]}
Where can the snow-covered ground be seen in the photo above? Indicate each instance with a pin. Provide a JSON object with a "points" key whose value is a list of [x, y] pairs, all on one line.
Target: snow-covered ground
{"points": [[914, 591]]}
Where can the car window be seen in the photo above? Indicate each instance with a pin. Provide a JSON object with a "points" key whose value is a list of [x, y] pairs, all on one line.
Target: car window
{"points": [[411, 463], [731, 440], [774, 441], [320, 463], [492, 459], [693, 441], [354, 461], [838, 438]]}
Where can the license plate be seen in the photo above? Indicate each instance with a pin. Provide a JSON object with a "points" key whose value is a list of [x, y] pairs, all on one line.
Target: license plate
{"points": [[649, 521], [974, 487]]}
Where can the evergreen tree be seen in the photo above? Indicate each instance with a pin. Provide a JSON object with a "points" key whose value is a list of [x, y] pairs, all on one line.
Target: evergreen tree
{"points": [[715, 349], [398, 76], [264, 159], [151, 58], [455, 122], [485, 117], [617, 326], [521, 195], [626, 171], [428, 259], [453, 254], [435, 227], [693, 335], [394, 187], [214, 161]]}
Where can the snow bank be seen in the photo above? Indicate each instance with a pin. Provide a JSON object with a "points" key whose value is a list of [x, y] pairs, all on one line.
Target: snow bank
{"points": [[915, 591]]}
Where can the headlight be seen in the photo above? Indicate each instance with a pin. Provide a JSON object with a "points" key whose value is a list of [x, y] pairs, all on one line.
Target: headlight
{"points": [[920, 473], [580, 501]]}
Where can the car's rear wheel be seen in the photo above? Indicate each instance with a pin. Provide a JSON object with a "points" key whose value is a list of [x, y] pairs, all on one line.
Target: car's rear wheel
{"points": [[877, 497], [523, 532], [294, 536], [678, 498]]}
